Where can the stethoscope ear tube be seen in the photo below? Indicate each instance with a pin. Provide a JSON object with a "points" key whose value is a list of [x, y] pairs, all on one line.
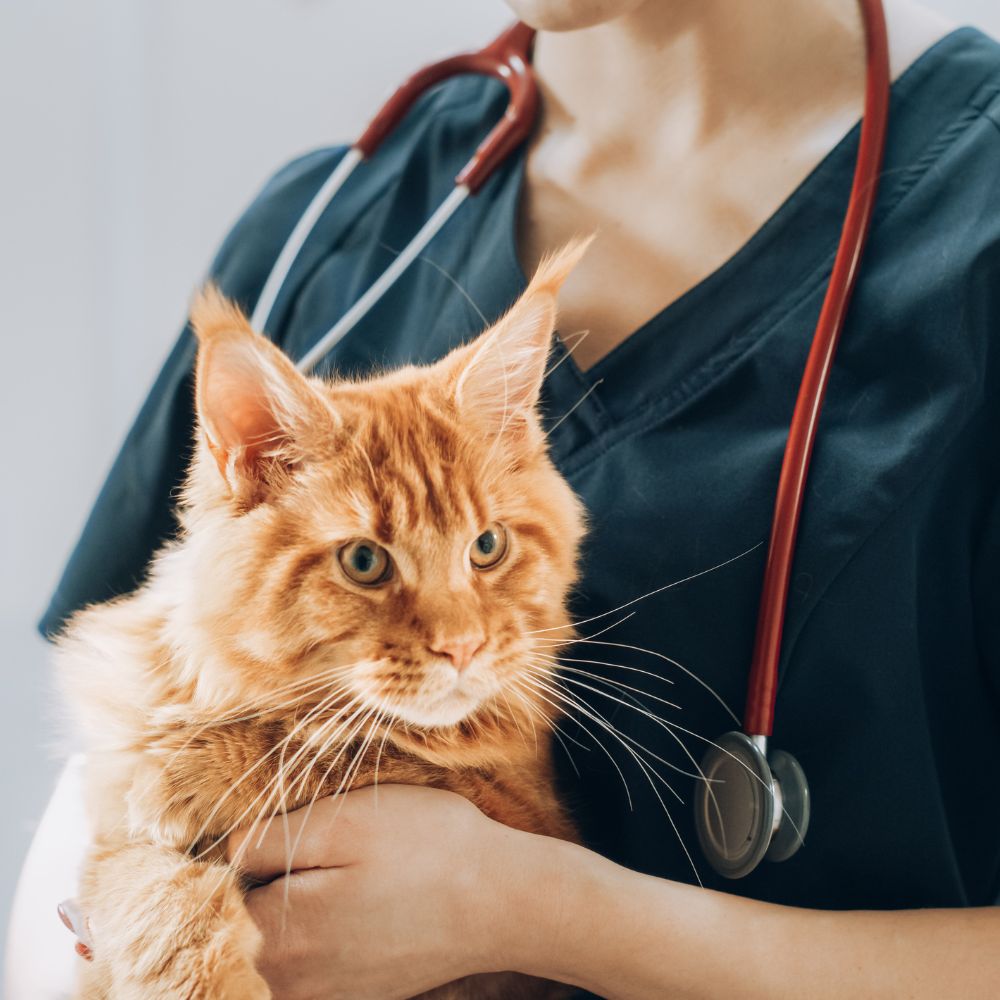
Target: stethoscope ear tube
{"points": [[762, 689], [507, 58]]}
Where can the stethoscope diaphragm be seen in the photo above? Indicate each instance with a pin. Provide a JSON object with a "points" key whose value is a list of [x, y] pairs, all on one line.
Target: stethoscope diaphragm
{"points": [[748, 807]]}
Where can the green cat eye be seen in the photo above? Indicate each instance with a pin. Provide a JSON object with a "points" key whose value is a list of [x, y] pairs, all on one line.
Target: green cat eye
{"points": [[490, 547], [365, 562]]}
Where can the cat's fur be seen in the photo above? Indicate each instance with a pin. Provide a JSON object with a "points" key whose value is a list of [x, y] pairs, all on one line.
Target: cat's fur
{"points": [[184, 686]]}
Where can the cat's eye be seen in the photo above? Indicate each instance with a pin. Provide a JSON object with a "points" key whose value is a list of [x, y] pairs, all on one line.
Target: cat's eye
{"points": [[365, 562], [490, 547]]}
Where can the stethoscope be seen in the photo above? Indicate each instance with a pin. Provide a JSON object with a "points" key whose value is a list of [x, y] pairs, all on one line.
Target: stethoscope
{"points": [[752, 802]]}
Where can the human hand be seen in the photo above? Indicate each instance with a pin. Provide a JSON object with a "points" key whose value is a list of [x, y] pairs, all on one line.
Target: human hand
{"points": [[393, 891]]}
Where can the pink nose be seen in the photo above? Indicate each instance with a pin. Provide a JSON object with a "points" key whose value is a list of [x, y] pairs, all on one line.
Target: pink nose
{"points": [[459, 650]]}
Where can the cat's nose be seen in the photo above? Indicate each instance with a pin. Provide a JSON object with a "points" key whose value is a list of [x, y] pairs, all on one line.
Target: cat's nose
{"points": [[459, 649]]}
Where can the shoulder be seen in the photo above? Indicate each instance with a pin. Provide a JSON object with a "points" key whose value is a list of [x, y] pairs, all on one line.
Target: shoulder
{"points": [[244, 258], [418, 157], [945, 112], [936, 236]]}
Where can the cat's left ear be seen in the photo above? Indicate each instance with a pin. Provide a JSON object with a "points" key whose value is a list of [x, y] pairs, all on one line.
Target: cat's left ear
{"points": [[499, 375], [257, 413]]}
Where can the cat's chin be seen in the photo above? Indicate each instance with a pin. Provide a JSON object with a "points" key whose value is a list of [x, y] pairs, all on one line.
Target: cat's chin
{"points": [[451, 710], [458, 714]]}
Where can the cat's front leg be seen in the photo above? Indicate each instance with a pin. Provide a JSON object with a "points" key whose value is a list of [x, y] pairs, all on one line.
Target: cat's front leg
{"points": [[188, 794], [166, 927]]}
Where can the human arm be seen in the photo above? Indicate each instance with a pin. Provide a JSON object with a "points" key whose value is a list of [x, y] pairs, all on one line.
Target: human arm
{"points": [[625, 935], [422, 888]]}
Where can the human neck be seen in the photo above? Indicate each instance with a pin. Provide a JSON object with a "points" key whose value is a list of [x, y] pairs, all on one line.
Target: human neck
{"points": [[677, 72], [677, 131]]}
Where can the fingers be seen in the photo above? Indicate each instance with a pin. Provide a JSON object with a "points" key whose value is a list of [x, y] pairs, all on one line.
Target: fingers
{"points": [[304, 840], [292, 915]]}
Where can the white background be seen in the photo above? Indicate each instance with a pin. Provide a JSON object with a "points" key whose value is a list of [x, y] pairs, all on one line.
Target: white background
{"points": [[131, 134]]}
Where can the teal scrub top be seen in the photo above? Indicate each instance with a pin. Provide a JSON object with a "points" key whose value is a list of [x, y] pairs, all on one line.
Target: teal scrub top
{"points": [[890, 667]]}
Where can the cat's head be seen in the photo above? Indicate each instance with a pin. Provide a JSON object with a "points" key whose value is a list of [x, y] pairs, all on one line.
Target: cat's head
{"points": [[404, 540]]}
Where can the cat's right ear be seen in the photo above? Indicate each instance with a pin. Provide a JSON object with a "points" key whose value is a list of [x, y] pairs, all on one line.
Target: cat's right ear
{"points": [[255, 410], [498, 377]]}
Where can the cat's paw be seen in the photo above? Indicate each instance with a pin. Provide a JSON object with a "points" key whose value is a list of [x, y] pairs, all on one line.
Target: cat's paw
{"points": [[169, 928]]}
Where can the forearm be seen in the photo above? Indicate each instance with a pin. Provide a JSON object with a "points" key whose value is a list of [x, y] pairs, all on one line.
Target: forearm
{"points": [[624, 935]]}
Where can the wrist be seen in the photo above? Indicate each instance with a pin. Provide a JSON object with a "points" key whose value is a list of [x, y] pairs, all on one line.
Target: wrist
{"points": [[572, 911], [570, 915], [550, 907]]}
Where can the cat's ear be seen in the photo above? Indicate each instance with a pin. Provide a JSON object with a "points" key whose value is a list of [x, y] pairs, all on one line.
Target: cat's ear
{"points": [[499, 375], [255, 411]]}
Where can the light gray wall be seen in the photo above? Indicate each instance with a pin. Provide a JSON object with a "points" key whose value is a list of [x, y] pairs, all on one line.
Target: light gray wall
{"points": [[131, 133]]}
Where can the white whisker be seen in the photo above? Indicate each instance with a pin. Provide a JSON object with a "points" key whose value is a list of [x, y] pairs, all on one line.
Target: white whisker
{"points": [[324, 705], [578, 338], [445, 274], [680, 666], [607, 724], [574, 407], [378, 756], [559, 660], [370, 714], [634, 703], [652, 593], [649, 772], [560, 710]]}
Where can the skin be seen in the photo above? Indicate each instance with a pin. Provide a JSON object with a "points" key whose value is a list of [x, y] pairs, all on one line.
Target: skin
{"points": [[380, 910], [326, 950], [720, 109], [734, 101]]}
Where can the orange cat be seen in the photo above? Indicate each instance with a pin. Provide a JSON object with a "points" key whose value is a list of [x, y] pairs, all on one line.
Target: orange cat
{"points": [[360, 572]]}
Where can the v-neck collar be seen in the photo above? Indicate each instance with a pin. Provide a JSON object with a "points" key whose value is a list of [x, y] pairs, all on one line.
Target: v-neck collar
{"points": [[685, 346]]}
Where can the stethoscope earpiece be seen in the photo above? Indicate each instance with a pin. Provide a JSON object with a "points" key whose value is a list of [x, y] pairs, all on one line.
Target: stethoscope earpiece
{"points": [[749, 807]]}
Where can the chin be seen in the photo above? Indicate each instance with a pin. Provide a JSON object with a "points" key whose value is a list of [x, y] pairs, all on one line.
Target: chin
{"points": [[448, 712], [440, 702], [571, 15]]}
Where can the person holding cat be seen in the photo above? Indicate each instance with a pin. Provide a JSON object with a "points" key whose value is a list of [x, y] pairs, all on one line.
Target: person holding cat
{"points": [[711, 145]]}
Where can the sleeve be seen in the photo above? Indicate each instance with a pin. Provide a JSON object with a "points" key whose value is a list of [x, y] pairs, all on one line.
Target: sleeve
{"points": [[133, 514]]}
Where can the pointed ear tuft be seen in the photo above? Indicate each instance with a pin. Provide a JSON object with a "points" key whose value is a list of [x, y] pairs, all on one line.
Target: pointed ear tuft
{"points": [[255, 410], [555, 267], [500, 374], [213, 314]]}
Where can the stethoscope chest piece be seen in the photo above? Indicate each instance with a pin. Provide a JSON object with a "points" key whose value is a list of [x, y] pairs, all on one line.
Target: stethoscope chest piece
{"points": [[748, 807]]}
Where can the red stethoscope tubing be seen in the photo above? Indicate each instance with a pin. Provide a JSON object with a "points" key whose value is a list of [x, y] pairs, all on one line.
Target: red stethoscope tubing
{"points": [[508, 59], [762, 688]]}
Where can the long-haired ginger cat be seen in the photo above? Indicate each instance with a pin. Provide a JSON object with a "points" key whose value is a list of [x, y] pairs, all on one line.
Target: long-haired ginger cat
{"points": [[355, 591]]}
